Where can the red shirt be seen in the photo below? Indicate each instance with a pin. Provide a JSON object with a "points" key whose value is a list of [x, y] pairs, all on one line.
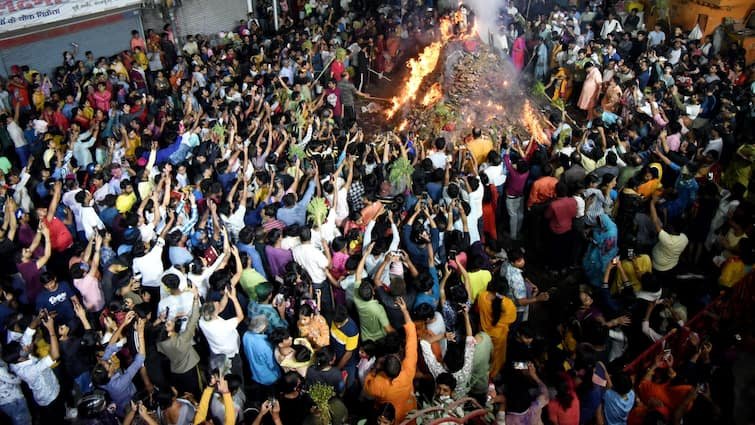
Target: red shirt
{"points": [[560, 214], [19, 93], [336, 69], [60, 237]]}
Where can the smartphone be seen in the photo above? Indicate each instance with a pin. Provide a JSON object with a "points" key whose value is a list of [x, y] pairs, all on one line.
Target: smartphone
{"points": [[210, 255], [520, 365], [630, 253]]}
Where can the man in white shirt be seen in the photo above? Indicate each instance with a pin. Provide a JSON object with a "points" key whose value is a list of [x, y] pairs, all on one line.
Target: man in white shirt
{"points": [[610, 26], [473, 195], [190, 47], [16, 134], [316, 263], [150, 265], [177, 303], [716, 143], [675, 54], [221, 334], [438, 155], [90, 221], [69, 200], [493, 168], [37, 373]]}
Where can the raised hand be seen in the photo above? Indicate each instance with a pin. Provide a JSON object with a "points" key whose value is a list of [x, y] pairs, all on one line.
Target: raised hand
{"points": [[401, 304]]}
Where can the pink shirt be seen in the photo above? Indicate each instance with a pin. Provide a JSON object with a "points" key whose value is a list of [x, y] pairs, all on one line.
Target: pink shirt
{"points": [[339, 264], [91, 292], [674, 141]]}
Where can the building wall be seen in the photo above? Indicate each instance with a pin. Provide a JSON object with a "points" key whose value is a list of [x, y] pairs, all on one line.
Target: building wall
{"points": [[199, 16], [685, 13], [42, 48]]}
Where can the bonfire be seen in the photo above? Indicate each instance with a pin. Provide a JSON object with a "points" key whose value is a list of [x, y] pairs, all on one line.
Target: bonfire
{"points": [[457, 83]]}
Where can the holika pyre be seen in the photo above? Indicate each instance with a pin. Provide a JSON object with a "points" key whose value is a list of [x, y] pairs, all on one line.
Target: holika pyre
{"points": [[457, 83]]}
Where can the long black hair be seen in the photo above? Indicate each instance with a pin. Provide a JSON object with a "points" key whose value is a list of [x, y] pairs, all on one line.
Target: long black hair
{"points": [[500, 287]]}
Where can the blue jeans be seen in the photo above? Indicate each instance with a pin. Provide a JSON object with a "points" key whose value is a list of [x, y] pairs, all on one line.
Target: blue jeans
{"points": [[84, 381], [23, 154], [180, 154], [514, 206], [18, 412]]}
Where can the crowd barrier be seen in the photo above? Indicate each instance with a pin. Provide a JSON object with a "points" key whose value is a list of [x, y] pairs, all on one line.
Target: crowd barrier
{"points": [[735, 304]]}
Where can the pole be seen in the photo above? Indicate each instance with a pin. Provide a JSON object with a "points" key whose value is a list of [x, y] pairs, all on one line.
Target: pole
{"points": [[527, 13], [275, 14], [325, 68], [379, 74]]}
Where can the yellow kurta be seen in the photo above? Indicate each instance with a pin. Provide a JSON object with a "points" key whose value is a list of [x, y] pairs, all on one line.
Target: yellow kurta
{"points": [[499, 332]]}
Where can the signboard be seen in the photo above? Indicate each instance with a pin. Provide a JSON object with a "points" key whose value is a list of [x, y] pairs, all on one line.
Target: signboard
{"points": [[19, 14]]}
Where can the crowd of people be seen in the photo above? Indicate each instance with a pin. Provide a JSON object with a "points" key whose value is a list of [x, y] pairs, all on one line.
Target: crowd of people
{"points": [[202, 230]]}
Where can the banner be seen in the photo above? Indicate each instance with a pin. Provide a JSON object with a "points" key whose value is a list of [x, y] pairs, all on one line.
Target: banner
{"points": [[20, 14]]}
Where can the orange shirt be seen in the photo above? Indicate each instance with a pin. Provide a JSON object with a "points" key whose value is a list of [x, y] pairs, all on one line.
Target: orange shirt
{"points": [[671, 396], [543, 189], [371, 211], [317, 332], [138, 42], [400, 391]]}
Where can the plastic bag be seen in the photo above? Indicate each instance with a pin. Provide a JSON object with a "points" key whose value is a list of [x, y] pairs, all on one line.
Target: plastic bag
{"points": [[696, 33]]}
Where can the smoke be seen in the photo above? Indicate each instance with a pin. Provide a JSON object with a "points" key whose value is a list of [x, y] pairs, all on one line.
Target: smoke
{"points": [[486, 14]]}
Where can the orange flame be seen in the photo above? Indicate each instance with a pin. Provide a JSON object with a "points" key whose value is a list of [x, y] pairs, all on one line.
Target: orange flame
{"points": [[475, 30], [446, 28], [532, 124], [433, 95], [401, 127], [419, 69]]}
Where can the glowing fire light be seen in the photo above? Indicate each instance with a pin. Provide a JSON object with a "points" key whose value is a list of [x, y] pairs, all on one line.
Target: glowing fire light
{"points": [[401, 127], [433, 95], [475, 29], [532, 124], [446, 28], [419, 69]]}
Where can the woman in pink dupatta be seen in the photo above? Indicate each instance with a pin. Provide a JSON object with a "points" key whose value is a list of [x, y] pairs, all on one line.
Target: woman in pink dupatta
{"points": [[519, 52]]}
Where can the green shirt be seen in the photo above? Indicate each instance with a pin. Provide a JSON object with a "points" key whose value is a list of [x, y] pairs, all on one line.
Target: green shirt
{"points": [[478, 380], [372, 318], [250, 278]]}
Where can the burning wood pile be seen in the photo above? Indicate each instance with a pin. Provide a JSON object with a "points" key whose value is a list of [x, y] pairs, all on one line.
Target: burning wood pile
{"points": [[458, 83]]}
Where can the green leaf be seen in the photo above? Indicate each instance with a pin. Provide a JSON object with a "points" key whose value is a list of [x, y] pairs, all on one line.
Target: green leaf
{"points": [[559, 103], [401, 173], [318, 210], [219, 130], [321, 394], [538, 89], [295, 151]]}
